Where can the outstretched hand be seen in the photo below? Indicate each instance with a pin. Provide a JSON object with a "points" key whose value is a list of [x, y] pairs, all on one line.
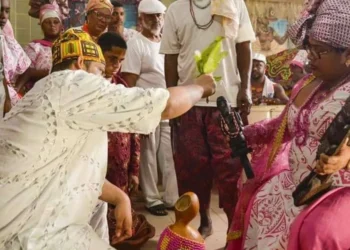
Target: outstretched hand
{"points": [[207, 82]]}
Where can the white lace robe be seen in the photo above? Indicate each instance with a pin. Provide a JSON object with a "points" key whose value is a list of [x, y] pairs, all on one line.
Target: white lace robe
{"points": [[53, 151]]}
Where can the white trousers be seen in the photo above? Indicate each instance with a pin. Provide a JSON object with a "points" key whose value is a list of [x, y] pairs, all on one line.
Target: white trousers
{"points": [[156, 153]]}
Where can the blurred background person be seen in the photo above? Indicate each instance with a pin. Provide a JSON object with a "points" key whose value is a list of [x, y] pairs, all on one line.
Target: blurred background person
{"points": [[117, 23], [264, 91]]}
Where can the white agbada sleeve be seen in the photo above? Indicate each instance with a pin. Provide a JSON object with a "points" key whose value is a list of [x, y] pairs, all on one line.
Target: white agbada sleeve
{"points": [[90, 102], [133, 58]]}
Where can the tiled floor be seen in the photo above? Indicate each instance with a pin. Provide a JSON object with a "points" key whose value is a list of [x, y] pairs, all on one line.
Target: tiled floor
{"points": [[214, 242]]}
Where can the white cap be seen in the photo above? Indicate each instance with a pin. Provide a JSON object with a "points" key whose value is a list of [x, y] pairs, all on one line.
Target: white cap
{"points": [[259, 57], [151, 7]]}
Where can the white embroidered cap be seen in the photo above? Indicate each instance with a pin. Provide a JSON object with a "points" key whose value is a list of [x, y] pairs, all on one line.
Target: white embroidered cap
{"points": [[151, 7], [259, 57]]}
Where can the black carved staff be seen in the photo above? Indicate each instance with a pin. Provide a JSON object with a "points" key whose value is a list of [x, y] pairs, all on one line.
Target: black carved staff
{"points": [[315, 185], [232, 125]]}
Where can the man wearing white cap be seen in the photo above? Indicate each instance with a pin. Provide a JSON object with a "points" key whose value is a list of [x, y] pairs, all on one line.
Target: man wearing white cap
{"points": [[265, 91], [144, 67]]}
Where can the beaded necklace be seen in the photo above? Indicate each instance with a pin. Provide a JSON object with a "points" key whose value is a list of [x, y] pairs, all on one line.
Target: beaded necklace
{"points": [[200, 26]]}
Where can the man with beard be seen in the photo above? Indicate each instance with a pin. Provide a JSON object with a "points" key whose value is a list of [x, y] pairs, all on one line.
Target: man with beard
{"points": [[144, 67], [117, 23], [264, 91]]}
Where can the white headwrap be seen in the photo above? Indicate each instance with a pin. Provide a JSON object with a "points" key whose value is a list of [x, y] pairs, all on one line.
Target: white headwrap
{"points": [[49, 11], [49, 14]]}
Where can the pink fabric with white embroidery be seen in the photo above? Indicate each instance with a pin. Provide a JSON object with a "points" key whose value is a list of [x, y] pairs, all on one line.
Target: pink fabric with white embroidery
{"points": [[39, 54], [272, 210], [16, 61]]}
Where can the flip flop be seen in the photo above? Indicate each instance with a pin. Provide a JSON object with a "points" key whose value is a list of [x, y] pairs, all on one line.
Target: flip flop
{"points": [[170, 208], [158, 210]]}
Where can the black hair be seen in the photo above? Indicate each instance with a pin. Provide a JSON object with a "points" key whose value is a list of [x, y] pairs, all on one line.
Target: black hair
{"points": [[66, 64], [111, 39], [116, 4]]}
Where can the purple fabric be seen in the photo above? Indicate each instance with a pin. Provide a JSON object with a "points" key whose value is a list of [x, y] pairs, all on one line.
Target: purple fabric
{"points": [[331, 23]]}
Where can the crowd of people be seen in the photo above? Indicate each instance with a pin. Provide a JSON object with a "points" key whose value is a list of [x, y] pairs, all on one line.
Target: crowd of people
{"points": [[90, 115]]}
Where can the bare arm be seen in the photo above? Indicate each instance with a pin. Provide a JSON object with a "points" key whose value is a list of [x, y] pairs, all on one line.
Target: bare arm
{"points": [[182, 98], [244, 63], [280, 94], [170, 67], [130, 78], [113, 195], [7, 105]]}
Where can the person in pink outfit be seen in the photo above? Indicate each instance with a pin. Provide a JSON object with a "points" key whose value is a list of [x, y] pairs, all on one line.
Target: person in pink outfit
{"points": [[272, 221], [39, 51], [15, 60]]}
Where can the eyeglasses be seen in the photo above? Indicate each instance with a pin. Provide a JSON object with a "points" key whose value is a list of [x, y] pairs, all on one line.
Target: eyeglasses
{"points": [[314, 52], [102, 17], [318, 52]]}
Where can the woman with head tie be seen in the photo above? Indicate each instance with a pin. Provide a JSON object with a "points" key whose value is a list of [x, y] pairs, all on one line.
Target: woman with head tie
{"points": [[271, 220]]}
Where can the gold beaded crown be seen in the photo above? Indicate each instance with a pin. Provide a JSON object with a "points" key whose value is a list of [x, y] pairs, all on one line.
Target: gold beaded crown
{"points": [[75, 43]]}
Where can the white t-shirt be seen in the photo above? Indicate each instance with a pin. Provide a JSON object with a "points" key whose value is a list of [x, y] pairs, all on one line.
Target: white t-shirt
{"points": [[143, 59], [129, 34], [181, 36]]}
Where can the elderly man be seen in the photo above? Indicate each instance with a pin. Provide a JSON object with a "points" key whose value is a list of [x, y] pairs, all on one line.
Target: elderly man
{"points": [[265, 91], [144, 67], [98, 16], [117, 23], [202, 152], [53, 148]]}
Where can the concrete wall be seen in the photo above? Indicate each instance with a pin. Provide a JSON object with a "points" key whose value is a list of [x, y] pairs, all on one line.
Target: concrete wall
{"points": [[26, 28]]}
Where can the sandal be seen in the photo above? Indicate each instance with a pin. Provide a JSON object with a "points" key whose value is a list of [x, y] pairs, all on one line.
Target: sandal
{"points": [[158, 210]]}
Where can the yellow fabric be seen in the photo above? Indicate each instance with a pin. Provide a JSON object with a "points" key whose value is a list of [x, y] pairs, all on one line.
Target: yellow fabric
{"points": [[227, 9], [74, 43]]}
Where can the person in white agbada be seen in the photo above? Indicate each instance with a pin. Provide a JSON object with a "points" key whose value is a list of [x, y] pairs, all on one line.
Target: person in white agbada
{"points": [[53, 148], [264, 91], [144, 67]]}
